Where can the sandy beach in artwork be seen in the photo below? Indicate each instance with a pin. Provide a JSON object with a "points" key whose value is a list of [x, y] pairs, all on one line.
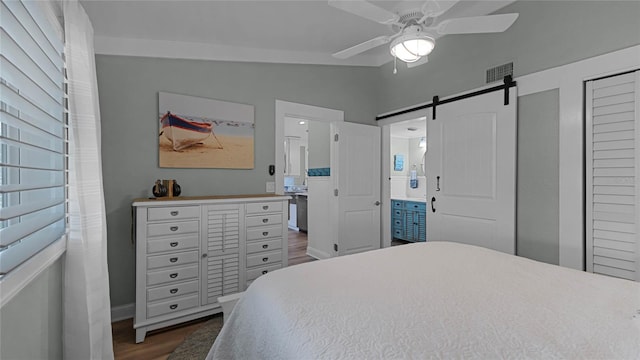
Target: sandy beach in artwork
{"points": [[236, 153]]}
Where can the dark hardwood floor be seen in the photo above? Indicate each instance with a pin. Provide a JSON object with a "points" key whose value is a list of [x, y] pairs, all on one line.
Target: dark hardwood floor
{"points": [[298, 248], [159, 344]]}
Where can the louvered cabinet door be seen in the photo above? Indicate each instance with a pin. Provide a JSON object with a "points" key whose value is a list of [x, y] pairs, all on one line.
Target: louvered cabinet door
{"points": [[612, 175], [221, 251]]}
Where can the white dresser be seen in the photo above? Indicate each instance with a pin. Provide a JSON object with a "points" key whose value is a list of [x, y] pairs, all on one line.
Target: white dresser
{"points": [[191, 250]]}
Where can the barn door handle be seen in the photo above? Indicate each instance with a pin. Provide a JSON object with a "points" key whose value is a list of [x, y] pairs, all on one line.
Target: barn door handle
{"points": [[433, 204], [437, 183]]}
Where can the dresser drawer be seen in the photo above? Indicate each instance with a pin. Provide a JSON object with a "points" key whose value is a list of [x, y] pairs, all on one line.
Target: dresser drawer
{"points": [[174, 212], [397, 213], [173, 305], [264, 232], [267, 219], [264, 207], [182, 258], [173, 228], [172, 290], [417, 206], [264, 258], [264, 245], [257, 272], [397, 204], [173, 243], [169, 275]]}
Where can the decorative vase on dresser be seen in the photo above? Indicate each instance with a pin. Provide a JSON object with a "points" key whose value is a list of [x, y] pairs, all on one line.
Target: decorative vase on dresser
{"points": [[192, 250]]}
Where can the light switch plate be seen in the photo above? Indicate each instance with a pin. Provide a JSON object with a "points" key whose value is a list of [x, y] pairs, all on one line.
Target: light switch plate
{"points": [[271, 187]]}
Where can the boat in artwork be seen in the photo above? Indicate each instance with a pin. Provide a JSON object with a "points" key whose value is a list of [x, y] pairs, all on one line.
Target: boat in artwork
{"points": [[184, 132]]}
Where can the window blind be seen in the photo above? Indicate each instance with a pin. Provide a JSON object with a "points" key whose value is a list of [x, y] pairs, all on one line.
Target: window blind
{"points": [[32, 133]]}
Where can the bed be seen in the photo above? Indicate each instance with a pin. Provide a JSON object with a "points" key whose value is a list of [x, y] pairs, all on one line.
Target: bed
{"points": [[433, 300]]}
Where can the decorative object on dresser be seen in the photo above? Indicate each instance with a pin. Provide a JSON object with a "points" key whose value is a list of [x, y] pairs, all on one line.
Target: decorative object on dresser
{"points": [[168, 188], [192, 250]]}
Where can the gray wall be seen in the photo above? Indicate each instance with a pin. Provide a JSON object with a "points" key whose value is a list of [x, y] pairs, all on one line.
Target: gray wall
{"points": [[128, 88], [31, 322], [547, 34], [538, 170]]}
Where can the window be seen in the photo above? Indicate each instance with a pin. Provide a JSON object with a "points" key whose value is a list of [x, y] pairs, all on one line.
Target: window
{"points": [[33, 149]]}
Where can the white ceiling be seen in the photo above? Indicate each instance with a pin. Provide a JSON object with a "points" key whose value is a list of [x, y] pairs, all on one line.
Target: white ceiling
{"points": [[409, 129], [294, 31]]}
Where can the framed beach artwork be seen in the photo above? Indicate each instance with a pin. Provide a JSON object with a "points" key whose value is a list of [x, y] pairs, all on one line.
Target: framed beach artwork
{"points": [[198, 132]]}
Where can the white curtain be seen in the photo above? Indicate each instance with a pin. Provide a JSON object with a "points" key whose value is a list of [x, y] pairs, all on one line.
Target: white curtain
{"points": [[87, 308]]}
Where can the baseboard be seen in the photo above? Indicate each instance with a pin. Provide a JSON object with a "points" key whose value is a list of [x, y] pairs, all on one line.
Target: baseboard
{"points": [[123, 312], [317, 254]]}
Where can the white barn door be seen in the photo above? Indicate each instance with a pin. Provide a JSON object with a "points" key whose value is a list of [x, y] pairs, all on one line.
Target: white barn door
{"points": [[355, 162], [471, 172], [612, 201]]}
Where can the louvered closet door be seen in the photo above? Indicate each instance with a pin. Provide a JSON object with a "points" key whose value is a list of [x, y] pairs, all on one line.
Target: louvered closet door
{"points": [[221, 265], [612, 171]]}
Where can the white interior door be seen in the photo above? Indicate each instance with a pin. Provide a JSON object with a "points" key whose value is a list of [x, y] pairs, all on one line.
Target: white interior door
{"points": [[471, 172], [355, 163]]}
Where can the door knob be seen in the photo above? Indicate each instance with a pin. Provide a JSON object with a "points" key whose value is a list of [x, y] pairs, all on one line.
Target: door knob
{"points": [[377, 203]]}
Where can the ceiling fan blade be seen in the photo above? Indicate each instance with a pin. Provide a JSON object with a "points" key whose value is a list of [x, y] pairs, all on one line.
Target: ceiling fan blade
{"points": [[362, 47], [433, 8], [477, 24], [366, 10], [422, 60]]}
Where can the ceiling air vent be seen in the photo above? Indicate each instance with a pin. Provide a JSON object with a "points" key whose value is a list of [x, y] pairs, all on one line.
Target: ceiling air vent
{"points": [[499, 72]]}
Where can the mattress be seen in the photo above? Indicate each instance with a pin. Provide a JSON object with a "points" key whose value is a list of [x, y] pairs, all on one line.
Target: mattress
{"points": [[433, 300]]}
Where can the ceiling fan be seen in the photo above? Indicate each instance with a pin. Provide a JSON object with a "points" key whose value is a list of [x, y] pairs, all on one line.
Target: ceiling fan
{"points": [[416, 28]]}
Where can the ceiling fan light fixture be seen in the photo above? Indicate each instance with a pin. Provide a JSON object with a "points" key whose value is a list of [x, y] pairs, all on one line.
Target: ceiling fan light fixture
{"points": [[412, 46]]}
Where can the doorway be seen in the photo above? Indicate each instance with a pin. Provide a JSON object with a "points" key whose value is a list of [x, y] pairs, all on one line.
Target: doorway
{"points": [[293, 124], [404, 151]]}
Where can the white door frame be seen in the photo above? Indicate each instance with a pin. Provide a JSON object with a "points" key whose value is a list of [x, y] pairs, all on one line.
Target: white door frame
{"points": [[302, 111], [569, 79], [385, 171]]}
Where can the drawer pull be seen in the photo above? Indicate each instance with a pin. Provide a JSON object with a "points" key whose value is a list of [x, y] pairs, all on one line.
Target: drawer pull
{"points": [[173, 291], [265, 220], [265, 246], [173, 228], [264, 271], [265, 259], [173, 244], [265, 207], [265, 233], [173, 260], [173, 276], [173, 307], [175, 213]]}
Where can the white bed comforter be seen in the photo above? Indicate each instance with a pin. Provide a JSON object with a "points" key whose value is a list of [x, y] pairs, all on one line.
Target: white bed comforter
{"points": [[433, 300]]}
